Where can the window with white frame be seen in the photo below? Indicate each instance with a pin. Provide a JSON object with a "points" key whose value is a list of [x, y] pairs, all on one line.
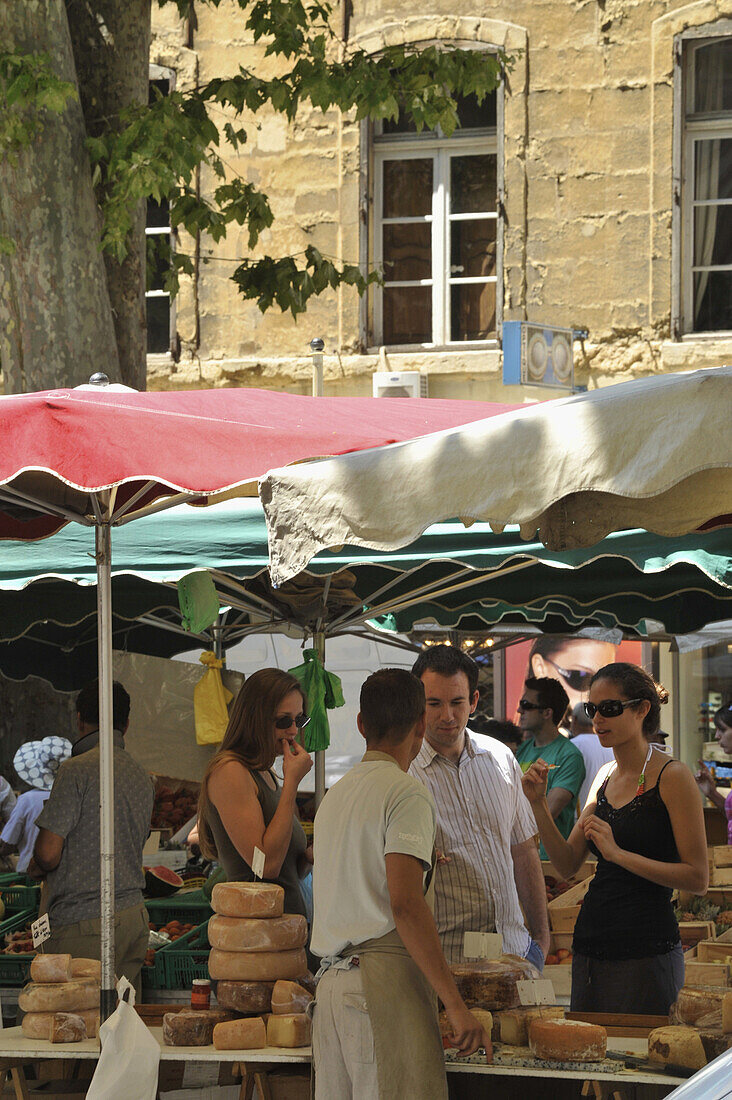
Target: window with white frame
{"points": [[158, 305], [436, 231], [707, 185]]}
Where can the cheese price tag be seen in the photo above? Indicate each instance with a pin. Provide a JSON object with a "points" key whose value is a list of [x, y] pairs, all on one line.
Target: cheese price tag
{"points": [[482, 945], [40, 930], [540, 992], [258, 863]]}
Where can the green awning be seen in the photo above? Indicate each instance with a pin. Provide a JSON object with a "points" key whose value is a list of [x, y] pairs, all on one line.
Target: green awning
{"points": [[461, 577]]}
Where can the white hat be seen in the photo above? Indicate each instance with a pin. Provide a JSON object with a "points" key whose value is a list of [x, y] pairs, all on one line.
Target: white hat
{"points": [[37, 762]]}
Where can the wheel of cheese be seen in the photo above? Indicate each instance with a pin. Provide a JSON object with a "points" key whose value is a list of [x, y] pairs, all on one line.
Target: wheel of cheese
{"points": [[191, 1028], [490, 984], [692, 1004], [514, 1022], [714, 1041], [240, 1034], [288, 1031], [67, 1027], [51, 968], [257, 966], [679, 1045], [60, 996], [289, 998], [85, 968], [248, 899], [39, 1025], [484, 1018], [242, 934], [567, 1041], [249, 998], [727, 1013]]}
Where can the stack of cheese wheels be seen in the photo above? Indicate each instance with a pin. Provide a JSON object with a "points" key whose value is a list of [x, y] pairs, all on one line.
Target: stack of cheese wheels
{"points": [[257, 956], [61, 1002], [567, 1040]]}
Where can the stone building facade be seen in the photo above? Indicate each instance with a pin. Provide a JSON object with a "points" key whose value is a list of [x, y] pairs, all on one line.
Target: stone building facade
{"points": [[594, 192]]}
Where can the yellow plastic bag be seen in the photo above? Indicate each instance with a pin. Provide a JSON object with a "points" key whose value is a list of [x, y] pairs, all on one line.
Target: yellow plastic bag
{"points": [[210, 699]]}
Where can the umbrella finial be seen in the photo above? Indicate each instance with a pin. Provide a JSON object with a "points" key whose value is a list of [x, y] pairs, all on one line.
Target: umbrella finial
{"points": [[98, 379]]}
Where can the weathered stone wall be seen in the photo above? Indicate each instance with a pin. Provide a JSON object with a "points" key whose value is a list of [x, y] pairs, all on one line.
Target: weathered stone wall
{"points": [[588, 179]]}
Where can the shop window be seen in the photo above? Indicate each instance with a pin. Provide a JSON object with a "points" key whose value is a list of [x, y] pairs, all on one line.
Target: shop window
{"points": [[436, 231], [158, 305], [707, 186]]}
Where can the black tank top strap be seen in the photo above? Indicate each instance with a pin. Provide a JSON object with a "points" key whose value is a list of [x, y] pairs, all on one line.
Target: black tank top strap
{"points": [[663, 769], [601, 791]]}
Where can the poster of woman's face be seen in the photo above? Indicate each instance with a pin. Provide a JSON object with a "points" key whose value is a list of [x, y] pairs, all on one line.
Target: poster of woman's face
{"points": [[572, 661]]}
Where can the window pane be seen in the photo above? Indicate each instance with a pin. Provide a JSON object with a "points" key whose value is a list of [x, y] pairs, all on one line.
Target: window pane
{"points": [[158, 259], [473, 247], [408, 315], [713, 169], [158, 324], [472, 184], [712, 235], [473, 311], [158, 214], [407, 252], [712, 301], [713, 77], [407, 188], [471, 115]]}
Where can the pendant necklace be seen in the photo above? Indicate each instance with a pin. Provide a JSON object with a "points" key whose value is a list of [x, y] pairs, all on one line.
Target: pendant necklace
{"points": [[642, 776]]}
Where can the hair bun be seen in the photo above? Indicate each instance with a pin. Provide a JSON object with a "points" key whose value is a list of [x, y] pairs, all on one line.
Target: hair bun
{"points": [[662, 693]]}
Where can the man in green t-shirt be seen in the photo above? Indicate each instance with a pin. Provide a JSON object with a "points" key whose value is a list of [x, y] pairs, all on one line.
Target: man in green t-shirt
{"points": [[542, 707]]}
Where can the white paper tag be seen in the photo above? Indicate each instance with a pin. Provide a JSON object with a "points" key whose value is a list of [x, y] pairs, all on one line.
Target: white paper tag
{"points": [[540, 992], [482, 945], [258, 863], [41, 930]]}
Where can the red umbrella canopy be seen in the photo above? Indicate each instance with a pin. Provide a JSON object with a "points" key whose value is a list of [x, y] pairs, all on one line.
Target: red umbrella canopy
{"points": [[61, 447]]}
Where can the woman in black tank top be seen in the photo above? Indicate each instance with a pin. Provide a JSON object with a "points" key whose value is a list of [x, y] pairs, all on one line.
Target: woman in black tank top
{"points": [[643, 821], [242, 807]]}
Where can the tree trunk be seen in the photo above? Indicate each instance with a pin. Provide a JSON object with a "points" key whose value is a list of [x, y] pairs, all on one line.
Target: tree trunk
{"points": [[111, 46], [55, 318]]}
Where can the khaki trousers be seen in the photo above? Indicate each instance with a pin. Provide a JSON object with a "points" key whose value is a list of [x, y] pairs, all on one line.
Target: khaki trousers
{"points": [[343, 1041], [83, 940]]}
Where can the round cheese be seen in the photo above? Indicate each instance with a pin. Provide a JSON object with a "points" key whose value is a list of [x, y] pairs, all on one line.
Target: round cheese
{"points": [[67, 1027], [727, 1013], [191, 1028], [240, 1034], [567, 1040], [490, 984], [289, 998], [514, 1022], [249, 998], [60, 996], [85, 968], [681, 1046], [692, 1004], [40, 1025], [257, 966], [241, 934], [248, 899]]}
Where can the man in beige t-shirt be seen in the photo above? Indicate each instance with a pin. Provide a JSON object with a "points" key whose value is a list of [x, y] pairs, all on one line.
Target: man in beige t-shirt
{"points": [[374, 840]]}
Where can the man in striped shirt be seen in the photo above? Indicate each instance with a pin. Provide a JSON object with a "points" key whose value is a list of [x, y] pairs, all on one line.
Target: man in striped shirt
{"points": [[490, 868]]}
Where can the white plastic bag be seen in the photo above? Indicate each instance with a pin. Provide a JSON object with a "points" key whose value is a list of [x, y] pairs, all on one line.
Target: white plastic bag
{"points": [[128, 1064]]}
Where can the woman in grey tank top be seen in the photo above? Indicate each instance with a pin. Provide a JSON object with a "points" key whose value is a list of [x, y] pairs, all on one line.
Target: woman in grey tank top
{"points": [[242, 806]]}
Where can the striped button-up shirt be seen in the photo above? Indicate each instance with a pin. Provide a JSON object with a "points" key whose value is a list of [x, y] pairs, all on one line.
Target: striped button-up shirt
{"points": [[481, 813]]}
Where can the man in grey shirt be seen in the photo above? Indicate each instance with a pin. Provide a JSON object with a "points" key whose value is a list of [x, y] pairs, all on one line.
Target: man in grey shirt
{"points": [[67, 847]]}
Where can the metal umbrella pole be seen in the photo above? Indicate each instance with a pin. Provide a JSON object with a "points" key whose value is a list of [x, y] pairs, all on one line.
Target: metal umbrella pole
{"points": [[108, 995], [319, 645]]}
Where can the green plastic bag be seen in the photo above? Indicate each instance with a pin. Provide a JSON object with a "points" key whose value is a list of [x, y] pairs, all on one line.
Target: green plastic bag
{"points": [[210, 699], [198, 601], [324, 692]]}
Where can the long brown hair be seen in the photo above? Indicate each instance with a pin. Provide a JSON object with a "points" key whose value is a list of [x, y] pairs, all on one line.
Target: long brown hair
{"points": [[249, 738]]}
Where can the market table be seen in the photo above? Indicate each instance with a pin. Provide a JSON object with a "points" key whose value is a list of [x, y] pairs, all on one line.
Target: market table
{"points": [[16, 1052]]}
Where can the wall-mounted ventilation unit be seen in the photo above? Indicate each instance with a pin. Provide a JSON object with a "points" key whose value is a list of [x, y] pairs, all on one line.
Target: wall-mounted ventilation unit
{"points": [[537, 355], [404, 383]]}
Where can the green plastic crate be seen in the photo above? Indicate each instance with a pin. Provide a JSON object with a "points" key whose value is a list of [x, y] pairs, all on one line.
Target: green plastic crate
{"points": [[14, 969], [19, 892], [189, 908], [177, 964]]}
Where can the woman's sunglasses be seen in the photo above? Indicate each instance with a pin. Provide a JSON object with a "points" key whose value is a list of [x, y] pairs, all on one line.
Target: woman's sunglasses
{"points": [[609, 708], [577, 678], [285, 721]]}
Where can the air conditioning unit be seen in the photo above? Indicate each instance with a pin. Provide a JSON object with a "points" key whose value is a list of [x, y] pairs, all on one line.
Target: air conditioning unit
{"points": [[403, 383], [537, 355]]}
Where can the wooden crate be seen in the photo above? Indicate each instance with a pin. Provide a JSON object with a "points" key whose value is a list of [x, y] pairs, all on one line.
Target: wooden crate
{"points": [[560, 977], [719, 876], [704, 974], [564, 910], [693, 931], [587, 870], [721, 855], [561, 939], [713, 951]]}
